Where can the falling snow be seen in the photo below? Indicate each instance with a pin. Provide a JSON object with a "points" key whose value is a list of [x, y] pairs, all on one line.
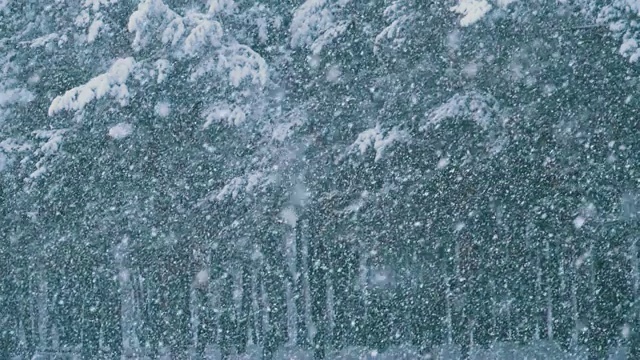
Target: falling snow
{"points": [[319, 179], [120, 131], [163, 109], [579, 221]]}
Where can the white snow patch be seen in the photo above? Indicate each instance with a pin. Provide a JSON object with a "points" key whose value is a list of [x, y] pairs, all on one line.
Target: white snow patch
{"points": [[333, 74], [124, 275], [442, 163], [630, 206], [33, 79], [162, 109], [310, 17], [471, 70], [41, 169], [579, 221], [15, 96], [205, 33], [218, 6], [243, 63], [162, 67], [202, 278], [94, 30], [223, 112], [282, 131], [583, 258], [139, 21], [11, 145], [111, 82], [43, 40], [314, 24], [82, 19], [300, 194], [375, 137], [289, 216], [454, 40], [626, 331], [52, 143], [314, 60], [120, 131], [471, 10]]}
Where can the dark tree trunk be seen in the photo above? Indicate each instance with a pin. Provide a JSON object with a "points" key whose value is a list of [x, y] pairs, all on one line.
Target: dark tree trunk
{"points": [[344, 272], [227, 317], [318, 272], [110, 316], [299, 278], [244, 317], [274, 279]]}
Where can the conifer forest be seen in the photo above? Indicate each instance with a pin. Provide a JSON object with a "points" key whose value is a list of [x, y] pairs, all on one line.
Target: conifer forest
{"points": [[319, 179]]}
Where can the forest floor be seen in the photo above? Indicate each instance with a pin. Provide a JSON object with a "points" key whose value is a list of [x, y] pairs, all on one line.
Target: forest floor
{"points": [[499, 351]]}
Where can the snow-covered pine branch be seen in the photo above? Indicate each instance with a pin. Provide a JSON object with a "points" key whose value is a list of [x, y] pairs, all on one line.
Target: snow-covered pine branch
{"points": [[480, 108], [621, 18], [150, 15], [189, 34], [317, 23], [473, 11], [112, 83], [378, 139], [399, 16]]}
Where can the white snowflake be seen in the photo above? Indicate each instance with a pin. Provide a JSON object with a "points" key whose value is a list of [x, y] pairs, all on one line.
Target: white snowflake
{"points": [[163, 109], [202, 277], [579, 221], [443, 162], [120, 131], [289, 216], [333, 74]]}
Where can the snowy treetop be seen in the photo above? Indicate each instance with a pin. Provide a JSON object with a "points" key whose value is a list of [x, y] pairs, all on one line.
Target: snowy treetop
{"points": [[479, 108]]}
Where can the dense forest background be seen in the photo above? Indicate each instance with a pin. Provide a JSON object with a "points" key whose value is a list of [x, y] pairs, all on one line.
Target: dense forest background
{"points": [[190, 178]]}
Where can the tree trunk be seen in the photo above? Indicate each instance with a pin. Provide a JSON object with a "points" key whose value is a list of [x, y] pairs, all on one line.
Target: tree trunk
{"points": [[318, 272]]}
